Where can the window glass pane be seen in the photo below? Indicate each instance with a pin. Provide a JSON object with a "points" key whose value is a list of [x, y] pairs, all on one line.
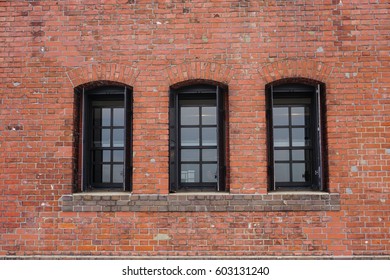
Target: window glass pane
{"points": [[190, 173], [189, 116], [280, 116], [209, 173], [106, 116], [190, 155], [190, 136], [282, 155], [97, 117], [298, 170], [101, 138], [118, 135], [209, 115], [209, 136], [298, 154], [282, 172], [281, 137], [107, 156], [117, 156], [102, 156], [106, 173], [117, 173], [298, 137], [298, 116], [209, 155], [119, 117]]}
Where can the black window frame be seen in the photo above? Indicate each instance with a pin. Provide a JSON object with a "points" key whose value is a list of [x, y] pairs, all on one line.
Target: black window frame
{"points": [[198, 94], [289, 95], [109, 95]]}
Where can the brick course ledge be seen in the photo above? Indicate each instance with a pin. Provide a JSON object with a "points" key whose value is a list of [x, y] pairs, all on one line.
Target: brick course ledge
{"points": [[200, 202]]}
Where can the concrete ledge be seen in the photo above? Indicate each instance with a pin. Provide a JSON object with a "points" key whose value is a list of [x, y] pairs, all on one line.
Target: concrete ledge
{"points": [[200, 202]]}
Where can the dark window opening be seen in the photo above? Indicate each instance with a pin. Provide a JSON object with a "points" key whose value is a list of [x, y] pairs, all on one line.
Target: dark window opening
{"points": [[295, 137], [197, 144], [106, 134]]}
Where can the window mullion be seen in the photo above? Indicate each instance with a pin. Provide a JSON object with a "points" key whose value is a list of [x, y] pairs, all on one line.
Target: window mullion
{"points": [[318, 152], [126, 142], [271, 140], [177, 164], [82, 134], [200, 145], [221, 169]]}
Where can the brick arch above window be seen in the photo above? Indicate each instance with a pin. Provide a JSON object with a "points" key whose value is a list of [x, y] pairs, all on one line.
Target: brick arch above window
{"points": [[289, 69], [113, 72], [199, 71]]}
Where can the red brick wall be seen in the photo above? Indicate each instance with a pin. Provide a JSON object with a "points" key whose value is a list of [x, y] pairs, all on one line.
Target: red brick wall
{"points": [[47, 48]]}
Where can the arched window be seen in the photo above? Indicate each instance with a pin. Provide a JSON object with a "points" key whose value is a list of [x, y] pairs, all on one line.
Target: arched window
{"points": [[106, 121], [295, 129], [197, 138]]}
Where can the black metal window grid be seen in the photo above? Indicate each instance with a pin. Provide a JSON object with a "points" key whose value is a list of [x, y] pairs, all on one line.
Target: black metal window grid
{"points": [[295, 137], [107, 139], [197, 160]]}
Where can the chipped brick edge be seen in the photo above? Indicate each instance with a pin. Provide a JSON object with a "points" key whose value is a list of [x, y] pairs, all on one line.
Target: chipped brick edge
{"points": [[200, 202]]}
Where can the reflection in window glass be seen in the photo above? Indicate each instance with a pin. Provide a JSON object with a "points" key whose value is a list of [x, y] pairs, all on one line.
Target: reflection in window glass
{"points": [[298, 155], [281, 137], [119, 117], [190, 173], [282, 155], [190, 155], [298, 137], [118, 155], [298, 116], [105, 140], [117, 173], [209, 115], [190, 136], [209, 136], [119, 137], [209, 173], [281, 116], [298, 172], [189, 116], [106, 117], [282, 172], [106, 174], [209, 154]]}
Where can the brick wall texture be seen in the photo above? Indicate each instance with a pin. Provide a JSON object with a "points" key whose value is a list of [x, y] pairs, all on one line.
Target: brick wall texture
{"points": [[48, 48]]}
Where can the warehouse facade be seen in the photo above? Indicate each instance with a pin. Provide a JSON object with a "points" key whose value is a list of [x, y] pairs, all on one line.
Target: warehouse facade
{"points": [[194, 129]]}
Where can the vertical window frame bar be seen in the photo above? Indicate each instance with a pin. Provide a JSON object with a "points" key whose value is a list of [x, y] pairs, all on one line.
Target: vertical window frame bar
{"points": [[127, 153], [271, 140], [221, 168], [83, 142], [318, 134]]}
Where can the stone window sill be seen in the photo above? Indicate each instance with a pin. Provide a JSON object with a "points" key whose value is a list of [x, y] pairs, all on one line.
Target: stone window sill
{"points": [[200, 202]]}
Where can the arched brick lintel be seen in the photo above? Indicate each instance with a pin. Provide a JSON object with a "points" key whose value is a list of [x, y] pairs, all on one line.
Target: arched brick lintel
{"points": [[198, 70], [287, 69], [113, 72]]}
